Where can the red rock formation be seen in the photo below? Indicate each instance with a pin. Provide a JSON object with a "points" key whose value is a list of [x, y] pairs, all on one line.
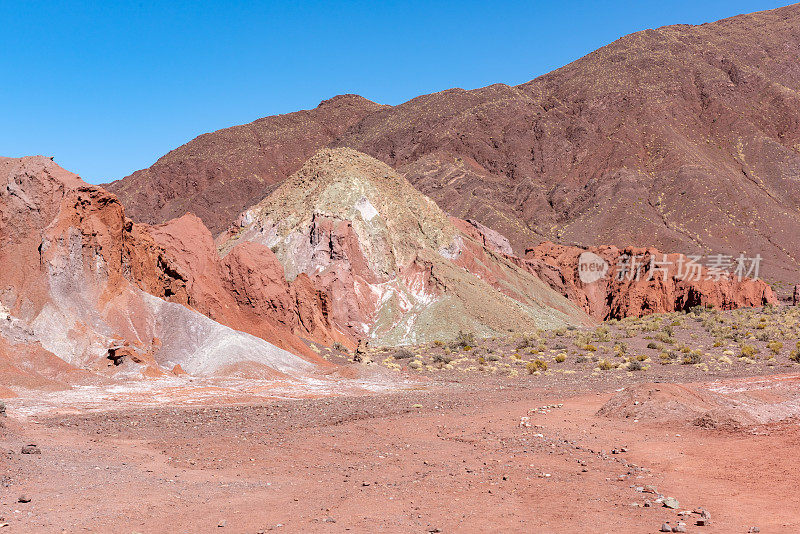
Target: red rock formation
{"points": [[255, 278], [664, 283], [81, 278], [396, 267]]}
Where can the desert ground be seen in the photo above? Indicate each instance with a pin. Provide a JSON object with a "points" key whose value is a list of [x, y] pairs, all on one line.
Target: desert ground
{"points": [[702, 429]]}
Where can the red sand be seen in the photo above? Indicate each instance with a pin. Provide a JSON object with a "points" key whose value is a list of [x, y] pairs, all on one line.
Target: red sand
{"points": [[460, 462]]}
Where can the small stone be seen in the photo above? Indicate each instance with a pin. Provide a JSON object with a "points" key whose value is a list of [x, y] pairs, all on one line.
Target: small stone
{"points": [[680, 527], [31, 449], [705, 514], [647, 504], [703, 522], [24, 498], [753, 530], [671, 502], [665, 527], [222, 524], [2, 408]]}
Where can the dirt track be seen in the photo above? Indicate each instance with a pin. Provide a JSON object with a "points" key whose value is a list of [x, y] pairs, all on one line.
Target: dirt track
{"points": [[453, 458]]}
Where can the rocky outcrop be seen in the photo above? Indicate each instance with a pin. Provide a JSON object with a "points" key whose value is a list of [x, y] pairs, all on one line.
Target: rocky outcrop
{"points": [[395, 267], [639, 281], [85, 286], [255, 278]]}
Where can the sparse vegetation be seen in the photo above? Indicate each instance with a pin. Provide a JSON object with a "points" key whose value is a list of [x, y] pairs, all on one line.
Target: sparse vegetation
{"points": [[775, 346], [403, 354], [748, 351], [464, 340], [536, 365], [605, 365]]}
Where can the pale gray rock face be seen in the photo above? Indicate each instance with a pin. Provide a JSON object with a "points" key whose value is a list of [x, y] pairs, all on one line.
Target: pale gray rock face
{"points": [[203, 347]]}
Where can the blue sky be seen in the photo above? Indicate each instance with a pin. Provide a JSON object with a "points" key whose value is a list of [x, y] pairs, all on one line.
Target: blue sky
{"points": [[108, 87]]}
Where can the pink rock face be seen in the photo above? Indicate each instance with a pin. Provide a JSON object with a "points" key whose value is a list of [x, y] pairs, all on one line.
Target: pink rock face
{"points": [[666, 290], [490, 239]]}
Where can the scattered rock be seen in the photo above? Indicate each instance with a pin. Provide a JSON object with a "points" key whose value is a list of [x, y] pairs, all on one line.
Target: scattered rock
{"points": [[24, 498], [31, 449], [671, 502], [665, 528], [2, 409], [118, 353], [360, 355], [680, 527], [753, 530], [222, 524], [702, 522]]}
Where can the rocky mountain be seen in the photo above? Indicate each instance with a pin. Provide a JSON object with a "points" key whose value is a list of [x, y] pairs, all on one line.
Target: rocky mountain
{"points": [[219, 175], [345, 250], [685, 138], [87, 295], [397, 268]]}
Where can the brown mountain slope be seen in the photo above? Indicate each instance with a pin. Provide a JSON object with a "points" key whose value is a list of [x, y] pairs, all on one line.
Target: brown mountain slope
{"points": [[217, 175], [685, 138]]}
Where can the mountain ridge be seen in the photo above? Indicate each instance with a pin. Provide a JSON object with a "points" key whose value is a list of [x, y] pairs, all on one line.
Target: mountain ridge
{"points": [[683, 137]]}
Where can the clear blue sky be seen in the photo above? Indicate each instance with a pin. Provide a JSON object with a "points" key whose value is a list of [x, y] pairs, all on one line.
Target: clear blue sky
{"points": [[108, 87]]}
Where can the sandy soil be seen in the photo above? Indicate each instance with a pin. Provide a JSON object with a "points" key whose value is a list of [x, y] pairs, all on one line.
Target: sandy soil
{"points": [[452, 457]]}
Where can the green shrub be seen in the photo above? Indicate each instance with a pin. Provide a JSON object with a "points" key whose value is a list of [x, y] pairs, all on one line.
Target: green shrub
{"points": [[465, 340], [536, 365], [748, 351], [605, 365], [691, 359], [634, 365], [442, 358], [403, 354], [775, 346]]}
